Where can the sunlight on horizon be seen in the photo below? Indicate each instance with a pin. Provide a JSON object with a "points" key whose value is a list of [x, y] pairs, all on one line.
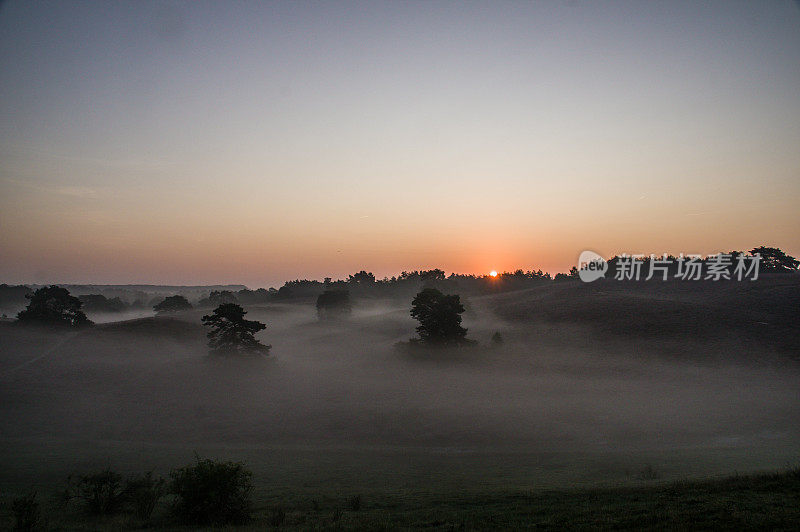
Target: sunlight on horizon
{"points": [[205, 143]]}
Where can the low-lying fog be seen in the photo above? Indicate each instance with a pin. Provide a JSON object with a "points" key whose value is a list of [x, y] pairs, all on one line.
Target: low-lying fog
{"points": [[142, 394]]}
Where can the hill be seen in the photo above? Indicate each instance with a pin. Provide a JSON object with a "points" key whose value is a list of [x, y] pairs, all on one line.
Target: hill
{"points": [[757, 316]]}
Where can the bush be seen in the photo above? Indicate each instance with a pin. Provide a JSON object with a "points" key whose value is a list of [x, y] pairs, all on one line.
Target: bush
{"points": [[101, 492], [212, 493], [497, 339], [144, 492], [26, 512]]}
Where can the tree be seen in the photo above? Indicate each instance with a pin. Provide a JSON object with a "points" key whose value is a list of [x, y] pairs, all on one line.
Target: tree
{"points": [[175, 303], [362, 277], [774, 259], [218, 297], [100, 303], [232, 334], [101, 492], [432, 275], [332, 304], [53, 305], [439, 317]]}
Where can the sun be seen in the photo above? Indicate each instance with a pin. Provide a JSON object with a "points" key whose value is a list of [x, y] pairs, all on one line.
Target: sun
{"points": [[493, 273]]}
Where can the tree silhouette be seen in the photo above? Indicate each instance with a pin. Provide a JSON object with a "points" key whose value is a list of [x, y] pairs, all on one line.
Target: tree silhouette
{"points": [[175, 303], [332, 304], [232, 334], [218, 297], [439, 317], [774, 259], [100, 303], [362, 277], [53, 305]]}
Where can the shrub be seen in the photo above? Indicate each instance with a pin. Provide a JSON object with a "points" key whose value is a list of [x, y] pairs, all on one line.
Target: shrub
{"points": [[144, 492], [101, 492], [26, 512], [212, 493]]}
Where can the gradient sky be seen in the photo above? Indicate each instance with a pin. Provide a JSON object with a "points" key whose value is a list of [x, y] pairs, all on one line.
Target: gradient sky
{"points": [[249, 142]]}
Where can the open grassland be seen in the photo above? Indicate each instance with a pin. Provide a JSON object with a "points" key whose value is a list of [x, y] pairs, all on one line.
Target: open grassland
{"points": [[752, 502], [586, 416]]}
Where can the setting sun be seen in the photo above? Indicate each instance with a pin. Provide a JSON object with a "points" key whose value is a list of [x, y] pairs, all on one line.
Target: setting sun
{"points": [[493, 273]]}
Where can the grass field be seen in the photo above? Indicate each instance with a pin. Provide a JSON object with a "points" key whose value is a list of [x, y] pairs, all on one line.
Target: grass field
{"points": [[587, 416], [751, 502]]}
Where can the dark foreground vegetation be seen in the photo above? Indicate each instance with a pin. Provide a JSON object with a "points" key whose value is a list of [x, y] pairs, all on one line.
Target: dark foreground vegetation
{"points": [[209, 494]]}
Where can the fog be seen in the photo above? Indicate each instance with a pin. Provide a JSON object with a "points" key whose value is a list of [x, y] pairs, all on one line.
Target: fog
{"points": [[340, 402]]}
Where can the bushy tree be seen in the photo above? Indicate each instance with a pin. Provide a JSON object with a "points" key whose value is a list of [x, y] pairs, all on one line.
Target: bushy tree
{"points": [[435, 274], [171, 304], [230, 333], [362, 277], [143, 493], [218, 297], [439, 317], [53, 305], [212, 493], [100, 303], [332, 304], [101, 492], [774, 259]]}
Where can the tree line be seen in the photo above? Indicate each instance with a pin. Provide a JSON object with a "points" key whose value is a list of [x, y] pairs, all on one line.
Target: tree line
{"points": [[230, 333]]}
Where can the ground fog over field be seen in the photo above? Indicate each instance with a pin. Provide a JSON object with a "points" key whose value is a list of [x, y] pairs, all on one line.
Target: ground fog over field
{"points": [[561, 402]]}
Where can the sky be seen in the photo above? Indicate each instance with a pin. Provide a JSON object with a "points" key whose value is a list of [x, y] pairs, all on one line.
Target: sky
{"points": [[255, 142]]}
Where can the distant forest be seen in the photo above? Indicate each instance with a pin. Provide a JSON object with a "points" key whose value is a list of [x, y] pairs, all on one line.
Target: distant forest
{"points": [[363, 284]]}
